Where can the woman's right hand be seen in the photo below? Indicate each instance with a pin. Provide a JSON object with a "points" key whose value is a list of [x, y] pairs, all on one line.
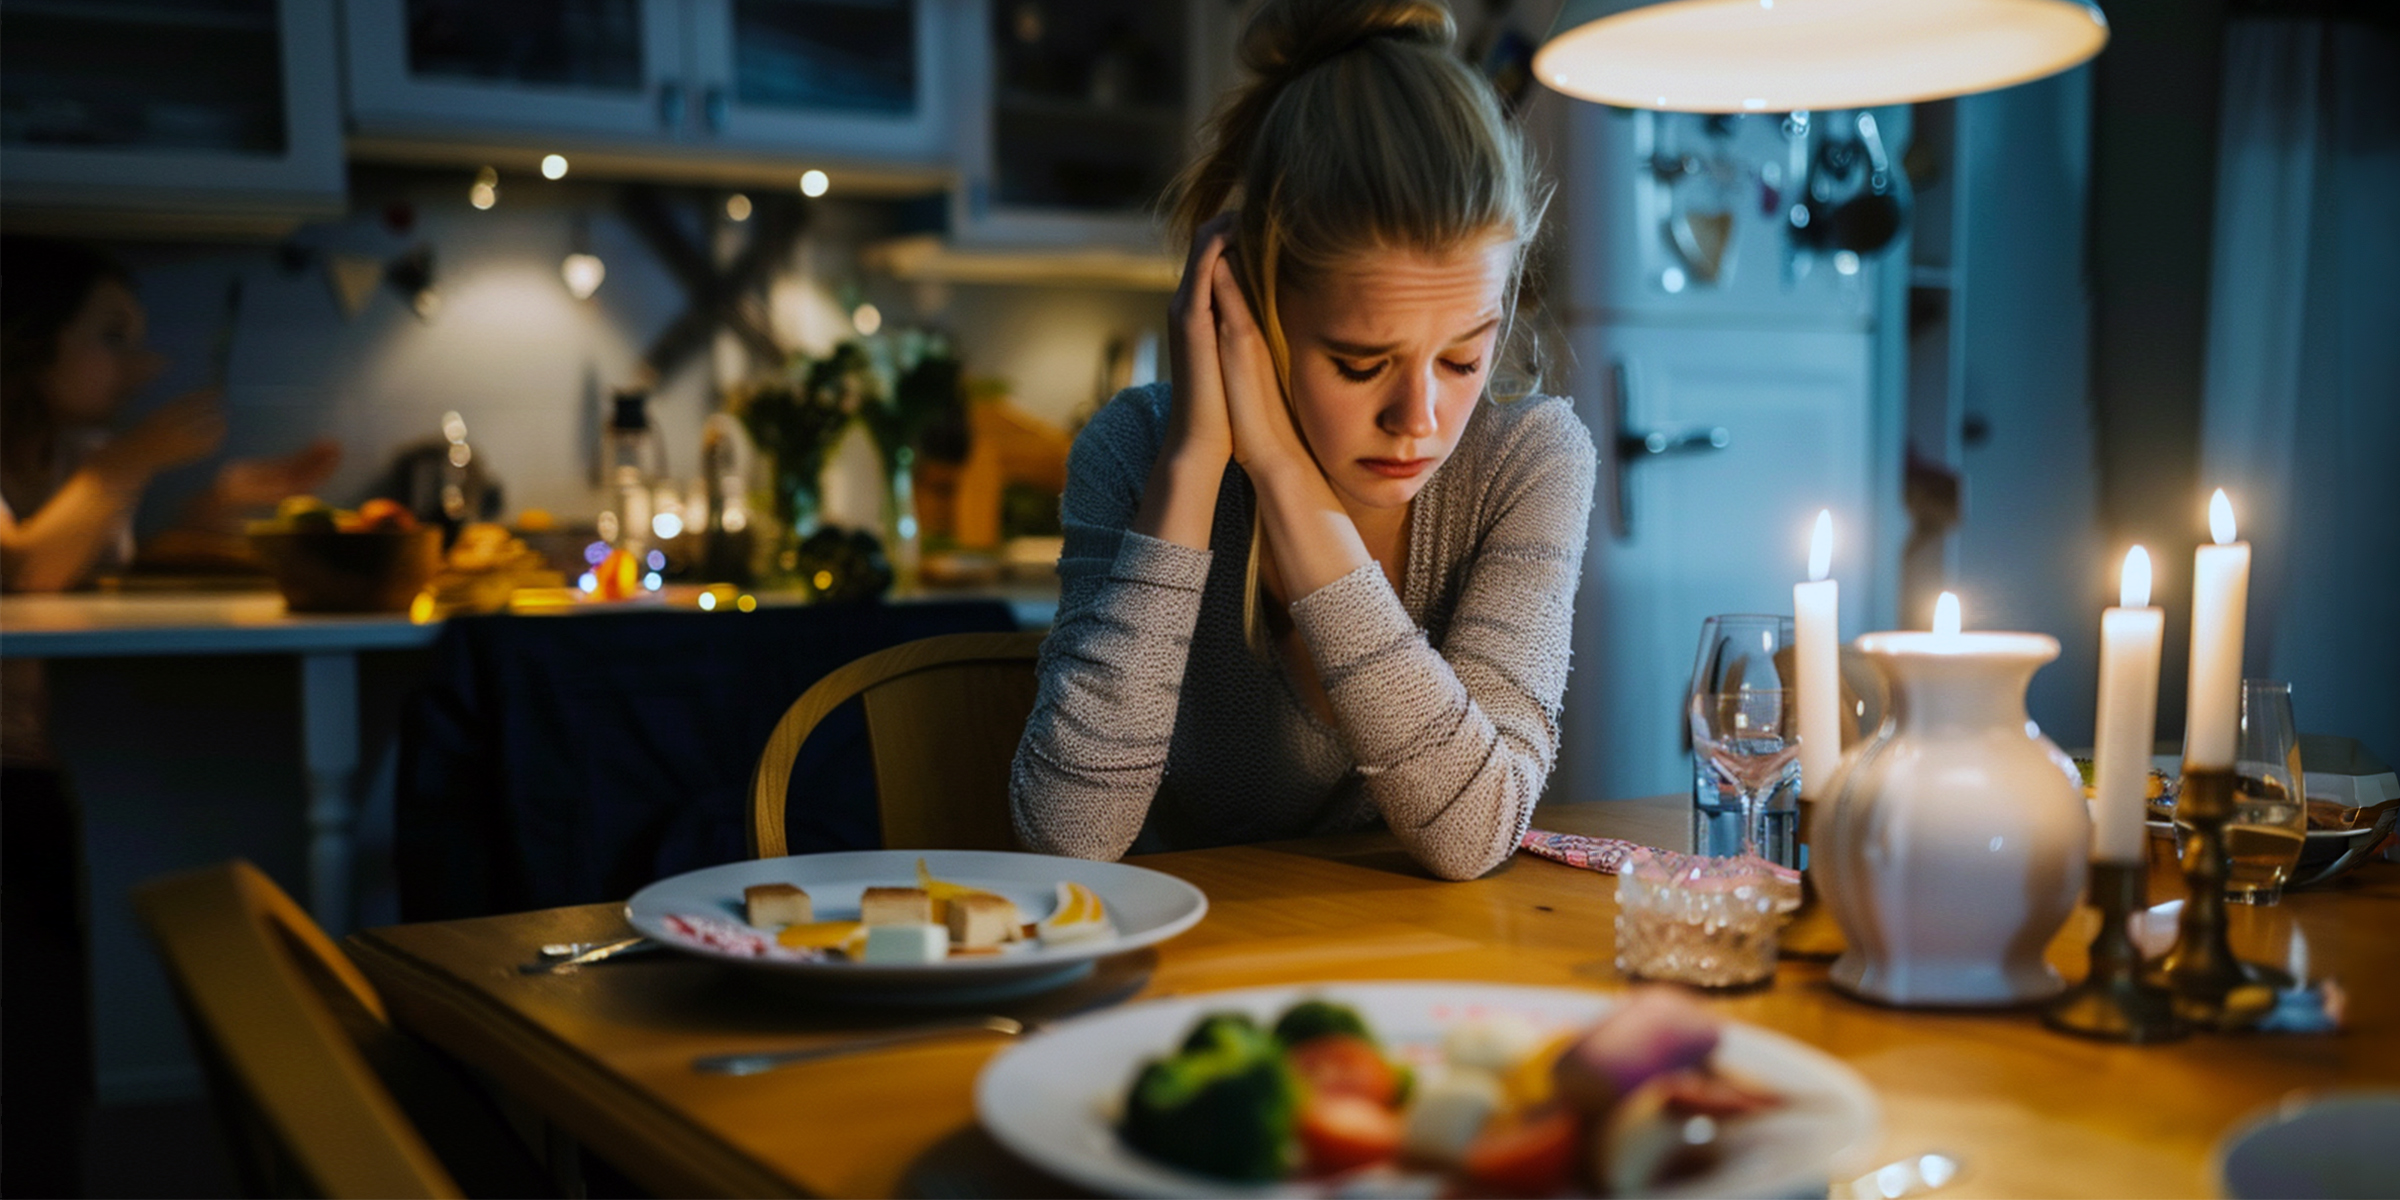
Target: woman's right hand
{"points": [[182, 430], [1198, 429]]}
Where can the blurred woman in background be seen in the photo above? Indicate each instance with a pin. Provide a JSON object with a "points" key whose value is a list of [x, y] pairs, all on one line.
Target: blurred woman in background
{"points": [[72, 355]]}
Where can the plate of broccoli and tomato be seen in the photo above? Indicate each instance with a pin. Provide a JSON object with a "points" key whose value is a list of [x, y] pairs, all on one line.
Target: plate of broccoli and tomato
{"points": [[1413, 1089]]}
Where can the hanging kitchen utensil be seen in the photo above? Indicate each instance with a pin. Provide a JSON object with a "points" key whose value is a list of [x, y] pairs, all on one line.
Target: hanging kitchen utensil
{"points": [[1702, 238], [1869, 220], [1799, 174], [1829, 187], [1703, 194]]}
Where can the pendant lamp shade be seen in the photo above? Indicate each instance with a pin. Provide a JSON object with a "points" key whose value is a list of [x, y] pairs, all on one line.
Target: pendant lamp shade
{"points": [[1735, 56]]}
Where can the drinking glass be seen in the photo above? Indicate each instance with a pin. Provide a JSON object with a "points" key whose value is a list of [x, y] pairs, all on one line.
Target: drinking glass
{"points": [[1750, 740], [1738, 651], [2269, 825]]}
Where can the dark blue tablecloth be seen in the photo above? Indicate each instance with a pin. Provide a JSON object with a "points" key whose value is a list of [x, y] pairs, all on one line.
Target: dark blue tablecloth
{"points": [[573, 759]]}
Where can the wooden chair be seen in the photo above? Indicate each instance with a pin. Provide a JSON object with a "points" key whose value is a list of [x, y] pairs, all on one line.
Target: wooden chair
{"points": [[943, 718], [273, 1006]]}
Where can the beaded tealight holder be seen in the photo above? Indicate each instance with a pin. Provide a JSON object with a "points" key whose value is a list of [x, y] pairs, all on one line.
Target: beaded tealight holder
{"points": [[1710, 922]]}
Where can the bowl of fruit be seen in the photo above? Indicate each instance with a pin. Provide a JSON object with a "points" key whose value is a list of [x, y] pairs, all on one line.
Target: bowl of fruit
{"points": [[327, 560]]}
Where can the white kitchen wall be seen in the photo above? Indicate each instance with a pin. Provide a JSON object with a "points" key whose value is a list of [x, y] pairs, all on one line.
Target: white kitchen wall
{"points": [[527, 364]]}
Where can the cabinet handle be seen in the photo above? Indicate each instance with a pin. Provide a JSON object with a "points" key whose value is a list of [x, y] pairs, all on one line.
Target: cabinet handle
{"points": [[670, 105], [1637, 446], [712, 108]]}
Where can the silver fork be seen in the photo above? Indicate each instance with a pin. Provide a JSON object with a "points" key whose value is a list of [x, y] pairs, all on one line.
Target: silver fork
{"points": [[563, 958], [753, 1062]]}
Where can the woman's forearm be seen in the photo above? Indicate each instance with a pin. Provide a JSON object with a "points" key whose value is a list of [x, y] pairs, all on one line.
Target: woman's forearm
{"points": [[1179, 501], [1314, 540], [1095, 745], [50, 550]]}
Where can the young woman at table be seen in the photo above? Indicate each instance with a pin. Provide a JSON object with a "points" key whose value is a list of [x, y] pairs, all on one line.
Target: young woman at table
{"points": [[1324, 580]]}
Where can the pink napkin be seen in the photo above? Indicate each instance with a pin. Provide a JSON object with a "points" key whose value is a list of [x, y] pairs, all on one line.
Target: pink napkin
{"points": [[1609, 855]]}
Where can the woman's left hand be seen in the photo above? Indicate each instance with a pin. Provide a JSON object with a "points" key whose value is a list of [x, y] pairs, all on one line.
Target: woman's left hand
{"points": [[1265, 439]]}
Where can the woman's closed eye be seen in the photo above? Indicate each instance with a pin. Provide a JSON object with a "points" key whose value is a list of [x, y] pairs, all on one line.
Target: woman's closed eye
{"points": [[1361, 373], [1358, 373]]}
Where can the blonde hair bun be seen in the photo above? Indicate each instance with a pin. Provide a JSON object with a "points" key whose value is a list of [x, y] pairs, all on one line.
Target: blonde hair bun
{"points": [[1287, 37]]}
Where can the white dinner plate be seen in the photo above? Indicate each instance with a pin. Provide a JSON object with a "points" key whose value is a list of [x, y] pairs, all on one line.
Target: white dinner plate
{"points": [[1145, 906], [1052, 1098], [2324, 1145]]}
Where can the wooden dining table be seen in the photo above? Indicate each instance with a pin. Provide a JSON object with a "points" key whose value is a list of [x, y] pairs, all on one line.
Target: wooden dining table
{"points": [[605, 1053]]}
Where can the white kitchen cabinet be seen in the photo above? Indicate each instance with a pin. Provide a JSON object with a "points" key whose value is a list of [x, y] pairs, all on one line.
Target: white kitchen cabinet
{"points": [[658, 86], [143, 117]]}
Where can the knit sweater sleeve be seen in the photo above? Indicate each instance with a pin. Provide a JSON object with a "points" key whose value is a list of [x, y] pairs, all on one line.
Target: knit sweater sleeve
{"points": [[1456, 744], [1112, 668]]}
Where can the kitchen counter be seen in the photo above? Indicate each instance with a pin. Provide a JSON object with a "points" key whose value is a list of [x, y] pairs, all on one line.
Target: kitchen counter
{"points": [[102, 625]]}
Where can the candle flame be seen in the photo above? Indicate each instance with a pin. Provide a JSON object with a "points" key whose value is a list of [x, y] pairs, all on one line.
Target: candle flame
{"points": [[1945, 613], [2134, 589], [1820, 546], [2220, 518]]}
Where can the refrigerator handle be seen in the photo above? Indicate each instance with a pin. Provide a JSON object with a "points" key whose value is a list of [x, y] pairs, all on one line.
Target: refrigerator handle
{"points": [[1634, 446]]}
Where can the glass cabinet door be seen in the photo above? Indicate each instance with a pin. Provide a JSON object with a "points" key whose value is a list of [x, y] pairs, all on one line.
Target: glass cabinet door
{"points": [[593, 45], [1087, 103], [201, 76], [429, 67], [176, 106], [857, 79], [838, 55], [1082, 114]]}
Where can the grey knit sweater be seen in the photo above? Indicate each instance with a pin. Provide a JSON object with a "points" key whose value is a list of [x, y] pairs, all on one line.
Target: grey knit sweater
{"points": [[1158, 727]]}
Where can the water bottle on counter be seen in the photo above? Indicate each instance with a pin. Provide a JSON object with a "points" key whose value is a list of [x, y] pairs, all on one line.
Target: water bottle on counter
{"points": [[726, 539], [636, 460]]}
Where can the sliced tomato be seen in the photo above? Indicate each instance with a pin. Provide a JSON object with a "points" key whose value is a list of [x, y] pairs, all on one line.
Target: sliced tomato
{"points": [[1531, 1156], [1344, 1064], [1339, 1131]]}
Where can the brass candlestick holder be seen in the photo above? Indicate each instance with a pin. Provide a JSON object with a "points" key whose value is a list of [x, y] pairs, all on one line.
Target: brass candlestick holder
{"points": [[2114, 1003], [2201, 970]]}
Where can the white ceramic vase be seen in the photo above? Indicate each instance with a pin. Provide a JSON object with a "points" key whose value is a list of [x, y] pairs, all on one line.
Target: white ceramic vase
{"points": [[1959, 838]]}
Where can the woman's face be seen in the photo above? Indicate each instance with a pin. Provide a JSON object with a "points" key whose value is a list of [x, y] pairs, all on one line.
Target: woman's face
{"points": [[1389, 356], [102, 359]]}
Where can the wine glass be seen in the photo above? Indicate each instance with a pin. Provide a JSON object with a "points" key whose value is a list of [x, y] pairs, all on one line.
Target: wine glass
{"points": [[1750, 740], [1739, 651], [2269, 825]]}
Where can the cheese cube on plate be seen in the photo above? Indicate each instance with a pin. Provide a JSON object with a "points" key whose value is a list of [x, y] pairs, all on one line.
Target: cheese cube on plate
{"points": [[980, 920], [895, 906], [773, 904], [920, 943], [1450, 1109]]}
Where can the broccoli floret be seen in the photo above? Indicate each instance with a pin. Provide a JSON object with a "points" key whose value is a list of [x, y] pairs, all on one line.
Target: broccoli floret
{"points": [[1316, 1018], [1221, 1030], [1224, 1106]]}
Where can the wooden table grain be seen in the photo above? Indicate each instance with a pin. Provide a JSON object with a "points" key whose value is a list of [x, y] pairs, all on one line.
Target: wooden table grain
{"points": [[605, 1053]]}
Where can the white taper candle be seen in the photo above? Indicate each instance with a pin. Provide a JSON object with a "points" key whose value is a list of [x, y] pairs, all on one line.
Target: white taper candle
{"points": [[1817, 623], [2220, 604], [2130, 638]]}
